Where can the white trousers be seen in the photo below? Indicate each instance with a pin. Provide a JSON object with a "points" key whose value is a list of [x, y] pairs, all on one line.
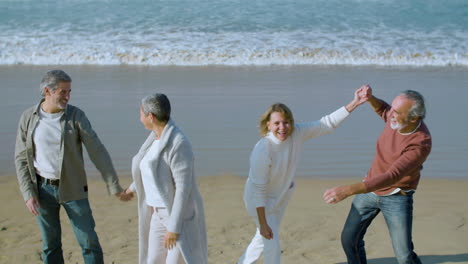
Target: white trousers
{"points": [[270, 248], [157, 254]]}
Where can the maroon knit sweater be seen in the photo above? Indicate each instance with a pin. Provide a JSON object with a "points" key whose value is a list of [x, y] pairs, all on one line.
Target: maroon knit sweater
{"points": [[398, 159]]}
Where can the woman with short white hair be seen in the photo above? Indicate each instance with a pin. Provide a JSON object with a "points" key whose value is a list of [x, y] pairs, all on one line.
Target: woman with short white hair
{"points": [[170, 207]]}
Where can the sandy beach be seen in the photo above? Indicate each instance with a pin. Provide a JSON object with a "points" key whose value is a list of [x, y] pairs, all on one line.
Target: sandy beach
{"points": [[310, 232]]}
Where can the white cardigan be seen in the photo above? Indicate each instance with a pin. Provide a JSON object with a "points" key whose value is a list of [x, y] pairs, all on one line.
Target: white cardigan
{"points": [[273, 163], [175, 179]]}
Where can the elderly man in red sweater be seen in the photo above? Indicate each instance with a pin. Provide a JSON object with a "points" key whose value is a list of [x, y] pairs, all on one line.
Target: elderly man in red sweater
{"points": [[390, 183]]}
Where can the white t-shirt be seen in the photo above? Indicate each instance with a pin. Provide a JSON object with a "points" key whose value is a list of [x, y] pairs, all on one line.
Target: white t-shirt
{"points": [[47, 136], [153, 197]]}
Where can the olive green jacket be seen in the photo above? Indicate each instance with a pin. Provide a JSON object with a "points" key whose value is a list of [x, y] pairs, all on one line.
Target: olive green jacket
{"points": [[76, 132]]}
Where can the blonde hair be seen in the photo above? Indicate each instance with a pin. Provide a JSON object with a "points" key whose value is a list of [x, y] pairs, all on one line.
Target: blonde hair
{"points": [[280, 108]]}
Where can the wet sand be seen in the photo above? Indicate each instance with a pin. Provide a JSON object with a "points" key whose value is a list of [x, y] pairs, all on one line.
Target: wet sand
{"points": [[219, 108]]}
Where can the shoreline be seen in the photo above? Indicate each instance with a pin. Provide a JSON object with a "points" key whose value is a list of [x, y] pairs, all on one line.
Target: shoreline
{"points": [[245, 66], [310, 230]]}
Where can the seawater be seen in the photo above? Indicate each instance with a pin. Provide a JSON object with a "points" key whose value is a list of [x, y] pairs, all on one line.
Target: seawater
{"points": [[234, 32]]}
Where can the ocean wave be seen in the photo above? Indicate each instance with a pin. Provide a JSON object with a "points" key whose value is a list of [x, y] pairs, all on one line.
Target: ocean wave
{"points": [[226, 32], [175, 47]]}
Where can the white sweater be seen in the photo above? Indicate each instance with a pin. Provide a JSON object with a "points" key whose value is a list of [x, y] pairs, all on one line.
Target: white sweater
{"points": [[273, 163]]}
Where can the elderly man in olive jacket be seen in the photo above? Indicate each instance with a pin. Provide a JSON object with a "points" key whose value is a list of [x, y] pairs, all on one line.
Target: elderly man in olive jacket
{"points": [[50, 168]]}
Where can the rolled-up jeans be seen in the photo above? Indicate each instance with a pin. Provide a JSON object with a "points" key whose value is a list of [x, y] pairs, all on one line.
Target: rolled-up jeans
{"points": [[398, 213], [81, 218]]}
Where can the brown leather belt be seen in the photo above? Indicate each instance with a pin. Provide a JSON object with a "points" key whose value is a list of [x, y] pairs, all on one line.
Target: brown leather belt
{"points": [[47, 181]]}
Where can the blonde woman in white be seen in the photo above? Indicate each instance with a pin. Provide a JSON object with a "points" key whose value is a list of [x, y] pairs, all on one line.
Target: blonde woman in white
{"points": [[273, 164], [171, 220]]}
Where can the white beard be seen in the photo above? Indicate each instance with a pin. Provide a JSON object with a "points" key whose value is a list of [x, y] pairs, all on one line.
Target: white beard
{"points": [[396, 126]]}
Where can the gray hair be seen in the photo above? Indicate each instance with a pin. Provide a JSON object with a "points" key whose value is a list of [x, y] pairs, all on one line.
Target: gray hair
{"points": [[52, 79], [418, 110], [157, 104]]}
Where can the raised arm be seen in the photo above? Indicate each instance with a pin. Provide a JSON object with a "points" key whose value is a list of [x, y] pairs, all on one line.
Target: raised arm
{"points": [[361, 95], [328, 123], [374, 102]]}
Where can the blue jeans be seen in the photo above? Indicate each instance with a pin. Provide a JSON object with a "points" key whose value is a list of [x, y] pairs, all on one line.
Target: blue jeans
{"points": [[398, 213], [81, 218]]}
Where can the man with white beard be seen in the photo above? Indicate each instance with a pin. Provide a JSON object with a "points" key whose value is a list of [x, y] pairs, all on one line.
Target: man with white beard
{"points": [[391, 181]]}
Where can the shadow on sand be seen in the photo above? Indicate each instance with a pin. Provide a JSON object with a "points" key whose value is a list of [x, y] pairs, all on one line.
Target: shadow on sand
{"points": [[428, 259]]}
